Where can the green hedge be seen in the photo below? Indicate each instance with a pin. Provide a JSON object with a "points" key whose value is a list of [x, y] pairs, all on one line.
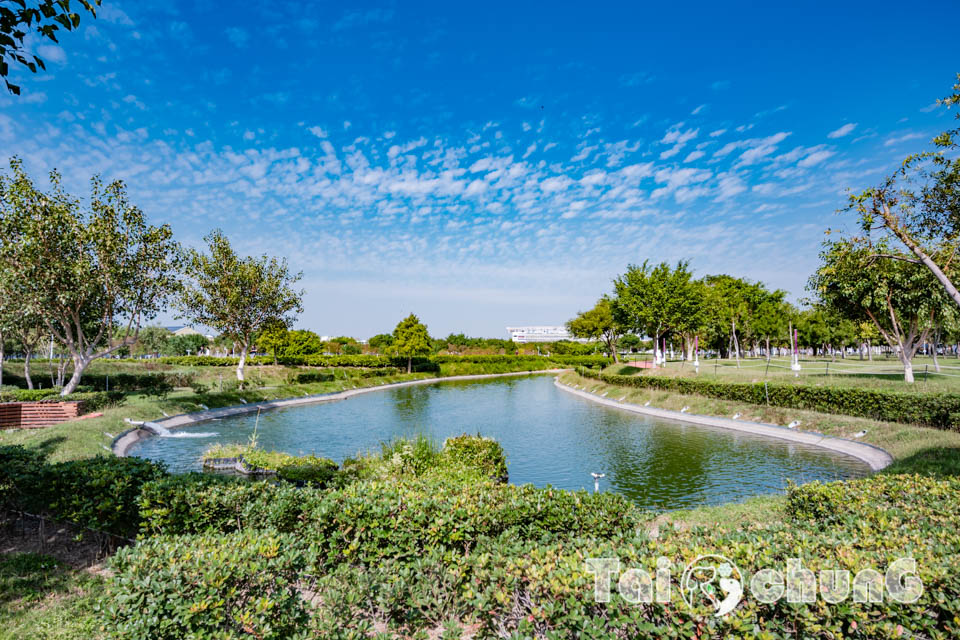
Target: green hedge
{"points": [[92, 400], [928, 409], [99, 493], [215, 586]]}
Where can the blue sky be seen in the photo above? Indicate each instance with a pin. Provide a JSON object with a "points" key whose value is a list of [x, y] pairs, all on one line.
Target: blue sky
{"points": [[496, 164]]}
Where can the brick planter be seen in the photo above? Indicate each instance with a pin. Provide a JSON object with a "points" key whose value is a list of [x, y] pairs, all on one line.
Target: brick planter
{"points": [[35, 415]]}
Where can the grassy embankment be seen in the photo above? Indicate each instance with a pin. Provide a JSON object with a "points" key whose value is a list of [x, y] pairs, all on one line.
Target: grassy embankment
{"points": [[89, 437], [915, 449]]}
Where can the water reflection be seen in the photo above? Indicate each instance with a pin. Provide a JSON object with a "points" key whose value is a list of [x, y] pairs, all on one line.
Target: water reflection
{"points": [[550, 437]]}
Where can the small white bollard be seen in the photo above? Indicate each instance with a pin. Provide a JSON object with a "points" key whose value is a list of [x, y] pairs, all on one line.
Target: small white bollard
{"points": [[596, 481]]}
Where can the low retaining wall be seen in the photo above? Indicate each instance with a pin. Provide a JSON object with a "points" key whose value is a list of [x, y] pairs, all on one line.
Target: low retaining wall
{"points": [[874, 456], [35, 415]]}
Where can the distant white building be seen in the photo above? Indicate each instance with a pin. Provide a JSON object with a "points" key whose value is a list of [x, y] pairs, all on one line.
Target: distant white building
{"points": [[541, 333]]}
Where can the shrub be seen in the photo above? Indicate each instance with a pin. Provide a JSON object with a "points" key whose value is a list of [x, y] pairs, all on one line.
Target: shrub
{"points": [[20, 478], [201, 503], [584, 361], [485, 455], [309, 470], [99, 493], [313, 376], [929, 409], [211, 586]]}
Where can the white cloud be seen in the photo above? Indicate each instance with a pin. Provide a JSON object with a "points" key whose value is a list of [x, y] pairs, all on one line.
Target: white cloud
{"points": [[889, 142], [842, 131], [694, 155], [237, 36], [320, 132], [698, 109]]}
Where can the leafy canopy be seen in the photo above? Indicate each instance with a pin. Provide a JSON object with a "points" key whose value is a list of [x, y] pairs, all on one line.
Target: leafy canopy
{"points": [[20, 18], [84, 271], [410, 337], [238, 296]]}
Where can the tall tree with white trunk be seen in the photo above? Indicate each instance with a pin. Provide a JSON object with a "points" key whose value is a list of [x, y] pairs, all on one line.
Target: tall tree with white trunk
{"points": [[238, 296], [900, 298], [88, 272]]}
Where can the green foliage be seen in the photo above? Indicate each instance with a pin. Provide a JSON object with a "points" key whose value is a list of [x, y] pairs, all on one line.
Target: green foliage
{"points": [[84, 271], [208, 586], [410, 338], [584, 361], [98, 493], [92, 400], [22, 20], [185, 344], [656, 300], [198, 503], [485, 455], [928, 409], [598, 324], [20, 477], [238, 296]]}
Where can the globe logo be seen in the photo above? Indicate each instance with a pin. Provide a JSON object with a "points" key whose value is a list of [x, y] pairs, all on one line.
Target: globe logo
{"points": [[712, 584]]}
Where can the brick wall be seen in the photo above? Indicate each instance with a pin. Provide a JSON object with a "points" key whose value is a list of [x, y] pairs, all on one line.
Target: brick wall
{"points": [[34, 415]]}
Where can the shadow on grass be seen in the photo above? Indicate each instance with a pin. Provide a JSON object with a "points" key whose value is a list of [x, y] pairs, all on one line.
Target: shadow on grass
{"points": [[29, 577], [49, 445], [935, 461]]}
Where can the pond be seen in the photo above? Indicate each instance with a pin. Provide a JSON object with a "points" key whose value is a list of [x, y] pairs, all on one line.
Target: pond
{"points": [[550, 437]]}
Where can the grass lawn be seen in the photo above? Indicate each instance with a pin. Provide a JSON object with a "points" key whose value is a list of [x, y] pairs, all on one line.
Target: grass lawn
{"points": [[915, 449], [43, 598], [882, 372]]}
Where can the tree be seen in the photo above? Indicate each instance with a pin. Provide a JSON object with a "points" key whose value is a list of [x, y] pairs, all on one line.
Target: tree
{"points": [[274, 340], [410, 338], [657, 300], [43, 18], [380, 341], [598, 324], [191, 343], [771, 317], [919, 206], [153, 341], [901, 298], [83, 272], [21, 325], [238, 296]]}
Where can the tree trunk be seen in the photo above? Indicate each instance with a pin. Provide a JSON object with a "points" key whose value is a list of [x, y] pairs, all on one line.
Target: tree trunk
{"points": [[768, 348], [409, 364], [79, 365], [1, 358], [243, 361], [26, 369], [869, 351], [907, 368], [736, 343]]}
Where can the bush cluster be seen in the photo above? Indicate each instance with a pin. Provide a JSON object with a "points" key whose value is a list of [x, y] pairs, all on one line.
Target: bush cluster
{"points": [[92, 400], [98, 493], [928, 409], [209, 586]]}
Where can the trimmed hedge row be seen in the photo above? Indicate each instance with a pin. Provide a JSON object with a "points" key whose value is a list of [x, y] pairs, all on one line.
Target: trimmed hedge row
{"points": [[414, 556], [92, 400], [371, 361], [941, 410], [99, 493]]}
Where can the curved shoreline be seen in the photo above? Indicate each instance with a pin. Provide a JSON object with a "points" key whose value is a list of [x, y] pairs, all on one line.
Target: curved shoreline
{"points": [[122, 443], [873, 456]]}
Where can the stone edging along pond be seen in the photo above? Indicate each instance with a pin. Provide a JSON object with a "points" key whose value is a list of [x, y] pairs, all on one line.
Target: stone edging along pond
{"points": [[122, 443], [874, 456]]}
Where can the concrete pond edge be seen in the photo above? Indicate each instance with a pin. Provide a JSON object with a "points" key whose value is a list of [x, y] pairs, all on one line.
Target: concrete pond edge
{"points": [[122, 443], [872, 455]]}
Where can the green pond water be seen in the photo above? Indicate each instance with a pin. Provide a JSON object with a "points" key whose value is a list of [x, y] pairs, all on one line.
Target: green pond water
{"points": [[551, 438]]}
